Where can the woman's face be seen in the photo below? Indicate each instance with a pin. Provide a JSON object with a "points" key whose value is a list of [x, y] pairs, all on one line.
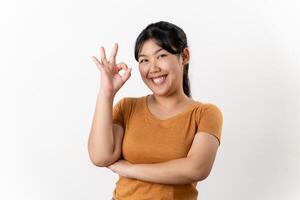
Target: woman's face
{"points": [[160, 70]]}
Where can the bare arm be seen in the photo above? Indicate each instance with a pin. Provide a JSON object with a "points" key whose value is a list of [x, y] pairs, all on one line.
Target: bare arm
{"points": [[101, 139], [104, 141], [178, 171]]}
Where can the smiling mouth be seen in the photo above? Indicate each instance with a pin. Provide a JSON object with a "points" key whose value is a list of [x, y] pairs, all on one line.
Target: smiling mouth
{"points": [[159, 80]]}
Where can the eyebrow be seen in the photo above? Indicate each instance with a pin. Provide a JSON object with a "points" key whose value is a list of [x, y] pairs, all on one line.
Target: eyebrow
{"points": [[154, 52]]}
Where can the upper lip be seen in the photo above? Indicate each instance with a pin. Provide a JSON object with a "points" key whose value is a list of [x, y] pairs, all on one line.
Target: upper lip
{"points": [[158, 76]]}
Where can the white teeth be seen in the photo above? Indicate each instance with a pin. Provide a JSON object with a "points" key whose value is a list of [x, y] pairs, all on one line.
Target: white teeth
{"points": [[159, 80]]}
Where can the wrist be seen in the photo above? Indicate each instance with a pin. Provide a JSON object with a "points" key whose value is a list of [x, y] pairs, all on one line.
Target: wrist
{"points": [[106, 94], [133, 171]]}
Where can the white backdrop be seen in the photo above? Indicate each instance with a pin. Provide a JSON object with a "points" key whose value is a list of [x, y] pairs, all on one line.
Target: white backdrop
{"points": [[245, 58]]}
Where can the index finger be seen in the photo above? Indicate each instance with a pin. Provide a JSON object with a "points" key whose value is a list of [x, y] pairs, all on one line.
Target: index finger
{"points": [[103, 56], [112, 58]]}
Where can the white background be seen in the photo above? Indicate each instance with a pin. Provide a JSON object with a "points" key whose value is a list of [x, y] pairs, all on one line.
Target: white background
{"points": [[245, 58]]}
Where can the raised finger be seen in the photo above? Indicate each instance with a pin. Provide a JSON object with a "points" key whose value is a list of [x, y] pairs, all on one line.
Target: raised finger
{"points": [[97, 62], [112, 58], [103, 56]]}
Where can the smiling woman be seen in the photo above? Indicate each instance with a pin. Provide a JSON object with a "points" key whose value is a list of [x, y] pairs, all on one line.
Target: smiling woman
{"points": [[161, 144]]}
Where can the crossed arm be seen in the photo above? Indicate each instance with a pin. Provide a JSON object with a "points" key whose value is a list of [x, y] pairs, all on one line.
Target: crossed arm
{"points": [[195, 167]]}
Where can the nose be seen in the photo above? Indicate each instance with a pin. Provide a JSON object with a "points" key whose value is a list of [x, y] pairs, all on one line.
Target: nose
{"points": [[153, 65]]}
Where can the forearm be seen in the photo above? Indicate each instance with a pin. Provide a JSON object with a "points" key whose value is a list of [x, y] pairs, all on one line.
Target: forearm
{"points": [[178, 171], [101, 141]]}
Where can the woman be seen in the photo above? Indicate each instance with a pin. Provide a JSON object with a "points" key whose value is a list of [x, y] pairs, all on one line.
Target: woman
{"points": [[163, 143]]}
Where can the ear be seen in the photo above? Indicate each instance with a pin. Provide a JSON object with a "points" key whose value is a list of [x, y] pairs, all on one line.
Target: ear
{"points": [[185, 56]]}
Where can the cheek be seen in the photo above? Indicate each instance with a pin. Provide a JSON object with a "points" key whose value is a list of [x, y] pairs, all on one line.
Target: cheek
{"points": [[176, 74], [170, 65], [174, 69], [142, 72]]}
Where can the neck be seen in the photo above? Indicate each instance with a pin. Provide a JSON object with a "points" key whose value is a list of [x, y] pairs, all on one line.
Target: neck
{"points": [[169, 101]]}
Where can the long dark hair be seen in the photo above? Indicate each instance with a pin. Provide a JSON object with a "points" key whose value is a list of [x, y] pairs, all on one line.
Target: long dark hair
{"points": [[169, 37]]}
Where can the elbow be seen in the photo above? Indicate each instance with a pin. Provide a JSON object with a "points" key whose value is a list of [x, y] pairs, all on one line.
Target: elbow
{"points": [[96, 162], [198, 178], [100, 162], [98, 159], [200, 175]]}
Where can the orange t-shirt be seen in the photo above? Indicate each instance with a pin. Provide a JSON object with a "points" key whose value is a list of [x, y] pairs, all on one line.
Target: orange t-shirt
{"points": [[148, 139]]}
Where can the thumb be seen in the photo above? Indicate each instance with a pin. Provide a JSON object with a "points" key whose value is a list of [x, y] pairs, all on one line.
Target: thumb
{"points": [[127, 74]]}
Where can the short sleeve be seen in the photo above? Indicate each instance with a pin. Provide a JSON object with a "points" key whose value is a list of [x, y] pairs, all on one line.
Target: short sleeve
{"points": [[211, 121], [118, 112]]}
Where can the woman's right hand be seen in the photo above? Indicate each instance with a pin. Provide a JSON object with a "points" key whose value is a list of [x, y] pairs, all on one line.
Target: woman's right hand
{"points": [[111, 80]]}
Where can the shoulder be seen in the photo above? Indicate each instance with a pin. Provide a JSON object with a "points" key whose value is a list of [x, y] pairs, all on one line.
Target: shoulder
{"points": [[207, 109], [129, 102], [211, 107], [203, 106]]}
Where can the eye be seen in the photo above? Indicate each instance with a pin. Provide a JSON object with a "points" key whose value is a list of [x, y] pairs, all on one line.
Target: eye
{"points": [[162, 55], [143, 60]]}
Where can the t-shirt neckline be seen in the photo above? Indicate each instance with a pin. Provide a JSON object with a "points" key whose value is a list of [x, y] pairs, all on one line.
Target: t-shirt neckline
{"points": [[169, 118]]}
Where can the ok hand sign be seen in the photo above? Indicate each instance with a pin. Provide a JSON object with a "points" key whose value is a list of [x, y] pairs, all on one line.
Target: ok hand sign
{"points": [[111, 80]]}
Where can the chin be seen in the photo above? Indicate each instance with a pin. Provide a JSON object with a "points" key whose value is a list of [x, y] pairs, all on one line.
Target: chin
{"points": [[160, 92]]}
